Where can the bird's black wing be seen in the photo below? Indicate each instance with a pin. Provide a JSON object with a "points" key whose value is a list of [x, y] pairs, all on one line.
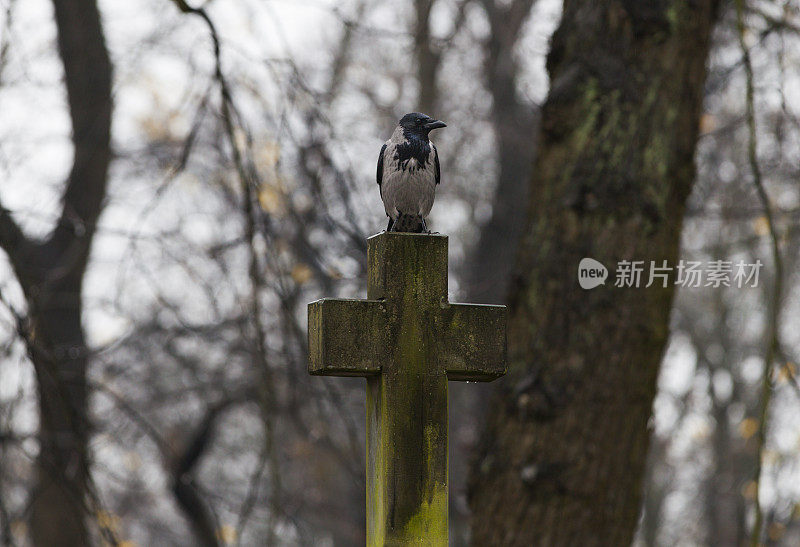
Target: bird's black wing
{"points": [[380, 165], [436, 170]]}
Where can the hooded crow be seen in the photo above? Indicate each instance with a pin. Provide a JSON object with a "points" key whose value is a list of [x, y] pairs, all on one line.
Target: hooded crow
{"points": [[408, 172]]}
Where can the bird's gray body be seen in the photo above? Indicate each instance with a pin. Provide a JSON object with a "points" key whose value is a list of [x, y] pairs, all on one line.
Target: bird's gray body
{"points": [[408, 187]]}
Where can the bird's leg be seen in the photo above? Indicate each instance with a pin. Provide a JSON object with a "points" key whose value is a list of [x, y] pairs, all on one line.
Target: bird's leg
{"points": [[391, 223], [424, 226]]}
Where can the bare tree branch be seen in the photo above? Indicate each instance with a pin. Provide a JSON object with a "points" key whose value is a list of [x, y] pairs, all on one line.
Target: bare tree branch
{"points": [[774, 304]]}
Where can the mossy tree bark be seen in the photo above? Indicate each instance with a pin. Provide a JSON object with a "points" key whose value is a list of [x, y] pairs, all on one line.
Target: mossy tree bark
{"points": [[563, 456]]}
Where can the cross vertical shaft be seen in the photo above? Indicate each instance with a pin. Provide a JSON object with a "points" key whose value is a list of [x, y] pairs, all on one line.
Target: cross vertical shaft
{"points": [[407, 404], [407, 340]]}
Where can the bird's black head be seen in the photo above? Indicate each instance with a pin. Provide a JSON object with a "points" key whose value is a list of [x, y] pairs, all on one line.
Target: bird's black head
{"points": [[419, 124]]}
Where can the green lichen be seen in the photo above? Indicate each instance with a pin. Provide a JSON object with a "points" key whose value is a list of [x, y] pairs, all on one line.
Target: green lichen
{"points": [[583, 133], [592, 107], [427, 527], [674, 14]]}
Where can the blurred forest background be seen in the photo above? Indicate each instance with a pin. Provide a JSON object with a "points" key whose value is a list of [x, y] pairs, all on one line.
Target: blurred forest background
{"points": [[161, 290]]}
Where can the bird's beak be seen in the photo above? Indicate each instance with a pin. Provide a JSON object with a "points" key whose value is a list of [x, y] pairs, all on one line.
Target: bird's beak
{"points": [[434, 124]]}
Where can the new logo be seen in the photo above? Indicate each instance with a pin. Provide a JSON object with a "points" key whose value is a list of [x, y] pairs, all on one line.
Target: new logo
{"points": [[591, 273]]}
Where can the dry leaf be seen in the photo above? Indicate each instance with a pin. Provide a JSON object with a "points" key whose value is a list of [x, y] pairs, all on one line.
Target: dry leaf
{"points": [[748, 427], [301, 273]]}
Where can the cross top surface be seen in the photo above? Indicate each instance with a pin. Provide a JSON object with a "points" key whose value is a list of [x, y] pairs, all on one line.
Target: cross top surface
{"points": [[408, 340]]}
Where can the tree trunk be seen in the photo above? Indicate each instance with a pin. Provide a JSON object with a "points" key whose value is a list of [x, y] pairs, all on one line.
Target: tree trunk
{"points": [[513, 122], [51, 275], [563, 456], [427, 57], [59, 357]]}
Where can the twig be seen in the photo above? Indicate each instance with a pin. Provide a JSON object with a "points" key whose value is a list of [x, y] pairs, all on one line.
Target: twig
{"points": [[248, 181], [773, 307]]}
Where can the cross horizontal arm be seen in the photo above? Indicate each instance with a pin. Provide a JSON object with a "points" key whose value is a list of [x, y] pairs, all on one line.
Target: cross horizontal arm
{"points": [[473, 344], [346, 337]]}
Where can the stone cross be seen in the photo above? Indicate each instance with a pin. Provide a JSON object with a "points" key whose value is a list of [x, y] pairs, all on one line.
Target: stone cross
{"points": [[408, 341]]}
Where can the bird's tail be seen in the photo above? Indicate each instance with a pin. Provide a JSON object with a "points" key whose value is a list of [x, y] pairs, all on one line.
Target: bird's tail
{"points": [[409, 223]]}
